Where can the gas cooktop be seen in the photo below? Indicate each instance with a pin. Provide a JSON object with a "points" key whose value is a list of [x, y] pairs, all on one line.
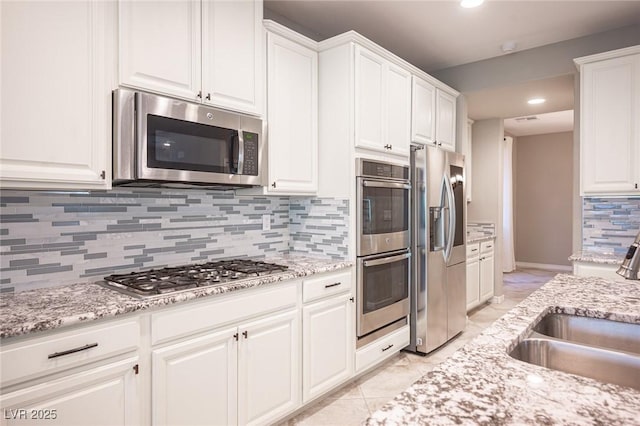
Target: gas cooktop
{"points": [[158, 282]]}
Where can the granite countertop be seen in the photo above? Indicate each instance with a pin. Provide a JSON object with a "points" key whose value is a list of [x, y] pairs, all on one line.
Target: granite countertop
{"points": [[49, 308], [481, 384], [594, 257]]}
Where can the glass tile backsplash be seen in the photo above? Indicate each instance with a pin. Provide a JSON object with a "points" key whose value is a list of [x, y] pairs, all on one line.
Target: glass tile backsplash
{"points": [[49, 239], [609, 225]]}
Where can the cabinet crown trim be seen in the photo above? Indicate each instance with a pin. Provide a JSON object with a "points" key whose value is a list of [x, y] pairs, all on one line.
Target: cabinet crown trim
{"points": [[281, 30], [607, 55], [359, 39]]}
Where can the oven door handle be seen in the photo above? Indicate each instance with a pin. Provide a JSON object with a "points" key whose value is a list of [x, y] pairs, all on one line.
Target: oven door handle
{"points": [[378, 184], [385, 260]]}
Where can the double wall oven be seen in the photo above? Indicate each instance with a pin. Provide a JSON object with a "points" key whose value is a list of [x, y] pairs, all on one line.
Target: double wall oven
{"points": [[383, 255]]}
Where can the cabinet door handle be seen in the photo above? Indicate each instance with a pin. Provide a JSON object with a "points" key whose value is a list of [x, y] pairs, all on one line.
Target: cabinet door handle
{"points": [[387, 348], [636, 185], [103, 176], [199, 95], [273, 184], [245, 334], [352, 300], [72, 351], [435, 143], [235, 336], [332, 285], [208, 96], [439, 143]]}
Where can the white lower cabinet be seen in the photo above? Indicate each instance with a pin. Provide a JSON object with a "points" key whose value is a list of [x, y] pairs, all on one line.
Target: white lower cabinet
{"points": [[268, 368], [195, 381], [486, 276], [328, 330], [87, 376], [473, 281], [480, 273], [245, 373], [105, 395]]}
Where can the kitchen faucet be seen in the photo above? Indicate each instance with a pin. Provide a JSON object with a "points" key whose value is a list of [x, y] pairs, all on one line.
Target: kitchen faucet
{"points": [[631, 263]]}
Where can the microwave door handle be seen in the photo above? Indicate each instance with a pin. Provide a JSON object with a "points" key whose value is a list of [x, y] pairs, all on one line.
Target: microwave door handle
{"points": [[240, 152], [385, 260]]}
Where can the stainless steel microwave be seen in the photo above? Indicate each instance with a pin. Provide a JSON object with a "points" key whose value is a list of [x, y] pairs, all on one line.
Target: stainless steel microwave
{"points": [[159, 141]]}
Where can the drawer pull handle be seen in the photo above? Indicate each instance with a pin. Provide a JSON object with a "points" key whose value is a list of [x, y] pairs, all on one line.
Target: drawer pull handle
{"points": [[474, 249], [332, 285], [387, 348], [72, 351]]}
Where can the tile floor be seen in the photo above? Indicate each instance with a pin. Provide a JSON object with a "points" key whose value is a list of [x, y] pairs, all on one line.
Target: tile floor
{"points": [[353, 403]]}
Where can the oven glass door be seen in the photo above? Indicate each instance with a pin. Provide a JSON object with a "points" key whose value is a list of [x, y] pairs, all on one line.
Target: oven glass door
{"points": [[185, 145], [384, 290], [383, 216]]}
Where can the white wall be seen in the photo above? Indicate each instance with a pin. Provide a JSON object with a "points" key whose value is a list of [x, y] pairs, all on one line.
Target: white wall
{"points": [[487, 175]]}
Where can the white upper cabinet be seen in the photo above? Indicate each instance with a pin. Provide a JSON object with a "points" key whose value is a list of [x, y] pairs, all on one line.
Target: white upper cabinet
{"points": [[207, 51], [56, 81], [423, 111], [232, 52], [292, 116], [160, 47], [433, 115], [445, 120], [609, 125], [383, 104]]}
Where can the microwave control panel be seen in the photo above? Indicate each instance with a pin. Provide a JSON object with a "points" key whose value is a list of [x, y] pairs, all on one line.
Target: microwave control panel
{"points": [[250, 166]]}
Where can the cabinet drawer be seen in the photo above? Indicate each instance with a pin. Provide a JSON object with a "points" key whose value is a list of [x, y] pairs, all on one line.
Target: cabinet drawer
{"points": [[40, 356], [473, 250], [487, 246], [325, 285], [381, 349], [197, 317]]}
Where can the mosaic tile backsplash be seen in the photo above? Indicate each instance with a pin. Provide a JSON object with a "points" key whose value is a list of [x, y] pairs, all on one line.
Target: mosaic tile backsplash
{"points": [[49, 239], [609, 225]]}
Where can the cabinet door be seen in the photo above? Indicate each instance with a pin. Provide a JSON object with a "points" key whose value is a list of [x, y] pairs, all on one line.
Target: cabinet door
{"points": [[328, 350], [269, 368], [423, 111], [106, 395], [292, 115], [232, 54], [445, 120], [486, 277], [609, 122], [473, 283], [398, 110], [57, 75], [195, 381], [160, 46], [369, 100]]}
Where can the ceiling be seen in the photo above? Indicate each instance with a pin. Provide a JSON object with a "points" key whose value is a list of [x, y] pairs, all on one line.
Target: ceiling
{"points": [[539, 124], [434, 35]]}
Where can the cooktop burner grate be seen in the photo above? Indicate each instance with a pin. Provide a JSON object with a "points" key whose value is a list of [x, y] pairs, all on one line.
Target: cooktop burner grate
{"points": [[169, 280]]}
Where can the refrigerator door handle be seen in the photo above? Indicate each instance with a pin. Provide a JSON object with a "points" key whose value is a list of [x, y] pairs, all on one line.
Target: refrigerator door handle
{"points": [[452, 217]]}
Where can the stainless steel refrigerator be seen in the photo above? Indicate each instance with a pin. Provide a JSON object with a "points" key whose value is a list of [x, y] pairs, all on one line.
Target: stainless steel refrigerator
{"points": [[438, 238]]}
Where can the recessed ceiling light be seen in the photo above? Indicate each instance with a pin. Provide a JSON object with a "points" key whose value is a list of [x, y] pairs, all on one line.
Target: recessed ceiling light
{"points": [[536, 101], [471, 3]]}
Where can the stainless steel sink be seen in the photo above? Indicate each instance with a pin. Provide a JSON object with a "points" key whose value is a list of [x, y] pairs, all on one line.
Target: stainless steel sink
{"points": [[601, 349], [604, 333], [601, 364]]}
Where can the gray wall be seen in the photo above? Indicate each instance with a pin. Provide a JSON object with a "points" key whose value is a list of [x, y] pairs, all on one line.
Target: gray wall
{"points": [[543, 201], [535, 64], [487, 175]]}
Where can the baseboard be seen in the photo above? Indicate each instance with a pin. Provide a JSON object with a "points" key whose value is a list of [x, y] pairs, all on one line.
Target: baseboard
{"points": [[496, 300], [563, 268]]}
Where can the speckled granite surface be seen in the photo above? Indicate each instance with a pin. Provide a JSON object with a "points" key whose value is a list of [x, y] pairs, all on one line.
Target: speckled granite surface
{"points": [[481, 384], [594, 257], [49, 308]]}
